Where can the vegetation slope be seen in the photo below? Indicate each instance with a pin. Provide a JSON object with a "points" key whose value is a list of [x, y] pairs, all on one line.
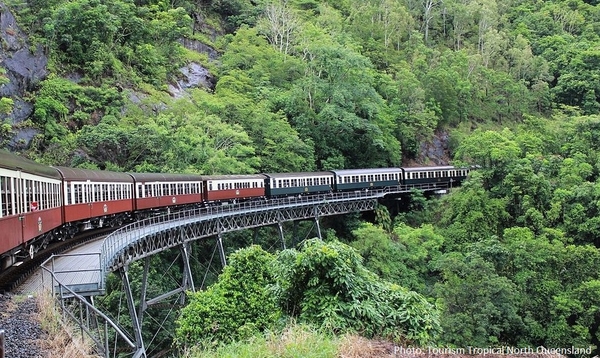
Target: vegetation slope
{"points": [[509, 259]]}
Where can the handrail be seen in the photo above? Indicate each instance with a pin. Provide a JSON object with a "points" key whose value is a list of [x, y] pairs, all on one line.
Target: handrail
{"points": [[128, 234], [87, 304], [123, 237]]}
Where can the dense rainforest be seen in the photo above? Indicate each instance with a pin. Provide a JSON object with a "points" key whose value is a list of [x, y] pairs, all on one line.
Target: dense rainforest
{"points": [[510, 258]]}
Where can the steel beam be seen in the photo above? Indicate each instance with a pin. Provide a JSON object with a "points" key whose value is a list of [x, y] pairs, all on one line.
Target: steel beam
{"points": [[135, 322]]}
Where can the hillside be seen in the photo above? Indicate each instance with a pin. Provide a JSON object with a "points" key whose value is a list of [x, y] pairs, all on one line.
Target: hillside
{"points": [[246, 86]]}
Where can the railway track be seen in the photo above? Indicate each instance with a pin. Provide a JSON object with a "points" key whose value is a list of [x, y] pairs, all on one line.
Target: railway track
{"points": [[12, 277]]}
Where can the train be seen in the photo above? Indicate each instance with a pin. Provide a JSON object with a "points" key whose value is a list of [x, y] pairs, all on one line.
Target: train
{"points": [[40, 204]]}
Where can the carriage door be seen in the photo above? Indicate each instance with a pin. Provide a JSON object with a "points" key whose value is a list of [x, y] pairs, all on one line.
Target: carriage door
{"points": [[90, 196], [19, 196]]}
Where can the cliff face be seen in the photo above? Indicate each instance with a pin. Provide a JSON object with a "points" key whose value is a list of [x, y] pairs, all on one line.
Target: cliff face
{"points": [[24, 69]]}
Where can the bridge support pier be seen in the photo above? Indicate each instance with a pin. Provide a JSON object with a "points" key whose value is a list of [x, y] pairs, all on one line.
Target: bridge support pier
{"points": [[281, 237], [187, 279], [135, 322], [221, 249], [143, 290], [318, 228]]}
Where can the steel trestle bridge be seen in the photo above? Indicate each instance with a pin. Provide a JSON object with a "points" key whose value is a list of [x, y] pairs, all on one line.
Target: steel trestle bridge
{"points": [[142, 239]]}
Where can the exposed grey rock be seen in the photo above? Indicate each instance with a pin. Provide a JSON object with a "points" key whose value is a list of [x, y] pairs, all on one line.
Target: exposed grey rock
{"points": [[24, 70], [200, 47], [194, 76]]}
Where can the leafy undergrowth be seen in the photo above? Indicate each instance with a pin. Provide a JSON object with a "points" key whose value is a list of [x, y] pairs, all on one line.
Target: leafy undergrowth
{"points": [[298, 341]]}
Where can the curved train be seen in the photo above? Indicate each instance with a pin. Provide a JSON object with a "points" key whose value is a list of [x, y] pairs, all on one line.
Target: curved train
{"points": [[40, 204]]}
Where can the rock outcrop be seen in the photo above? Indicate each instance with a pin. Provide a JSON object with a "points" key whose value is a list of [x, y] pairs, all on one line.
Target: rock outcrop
{"points": [[24, 70]]}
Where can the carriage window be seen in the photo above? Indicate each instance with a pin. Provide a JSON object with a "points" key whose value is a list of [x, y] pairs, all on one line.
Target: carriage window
{"points": [[51, 191], [41, 195], [5, 196], [35, 194], [78, 193], [50, 194], [54, 194], [28, 196], [68, 199]]}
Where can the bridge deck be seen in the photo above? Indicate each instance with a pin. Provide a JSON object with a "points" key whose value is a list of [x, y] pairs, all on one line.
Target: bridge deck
{"points": [[78, 269]]}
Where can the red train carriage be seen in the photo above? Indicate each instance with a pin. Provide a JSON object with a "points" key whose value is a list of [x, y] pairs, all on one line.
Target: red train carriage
{"points": [[95, 198], [233, 187], [434, 175], [30, 205], [155, 191]]}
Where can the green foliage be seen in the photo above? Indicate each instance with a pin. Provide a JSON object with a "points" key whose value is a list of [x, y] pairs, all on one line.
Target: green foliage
{"points": [[6, 105], [326, 284], [104, 38], [361, 84], [238, 306], [470, 214], [295, 341], [480, 308], [181, 139], [63, 106]]}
